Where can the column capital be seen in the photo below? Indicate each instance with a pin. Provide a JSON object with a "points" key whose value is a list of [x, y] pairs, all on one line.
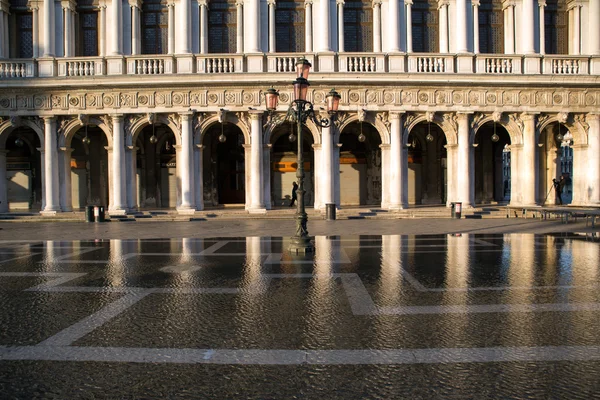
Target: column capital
{"points": [[186, 116], [442, 3], [307, 3], [528, 116], [203, 3], [5, 6], [136, 3], [48, 118], [376, 3], [117, 117], [396, 115], [542, 3], [256, 114], [68, 5], [508, 3], [475, 3], [592, 116], [238, 4], [340, 2], [573, 4]]}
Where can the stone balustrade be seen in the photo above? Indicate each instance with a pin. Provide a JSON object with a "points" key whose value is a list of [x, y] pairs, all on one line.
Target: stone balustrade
{"points": [[498, 64]]}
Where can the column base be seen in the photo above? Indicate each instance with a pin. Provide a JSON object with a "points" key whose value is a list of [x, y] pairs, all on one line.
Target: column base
{"points": [[118, 211], [49, 213], [257, 210], [185, 211], [396, 207]]}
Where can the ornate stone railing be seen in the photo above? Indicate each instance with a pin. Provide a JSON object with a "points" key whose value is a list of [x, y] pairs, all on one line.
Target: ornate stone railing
{"points": [[565, 65], [219, 64], [361, 62], [431, 63], [80, 66], [17, 69], [493, 64], [285, 63], [156, 65]]}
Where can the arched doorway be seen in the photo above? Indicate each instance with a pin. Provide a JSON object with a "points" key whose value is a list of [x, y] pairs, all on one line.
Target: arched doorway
{"points": [[555, 161], [284, 156], [89, 168], [224, 170], [492, 169], [427, 177], [23, 167], [360, 165]]}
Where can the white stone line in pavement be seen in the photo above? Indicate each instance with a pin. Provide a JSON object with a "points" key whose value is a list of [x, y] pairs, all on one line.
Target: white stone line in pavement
{"points": [[59, 278], [360, 300], [301, 357], [213, 248], [78, 330], [421, 288], [275, 258], [488, 308], [19, 257]]}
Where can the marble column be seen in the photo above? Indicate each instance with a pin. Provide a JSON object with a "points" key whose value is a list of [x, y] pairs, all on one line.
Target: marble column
{"points": [[171, 28], [308, 28], [4, 187], [409, 44], [377, 26], [393, 30], [465, 156], [68, 39], [184, 164], [3, 47], [576, 10], [184, 25], [527, 28], [6, 35], [528, 166], [252, 26], [272, 29], [117, 21], [460, 37], [118, 197], [592, 163], [256, 176], [594, 28], [51, 166], [135, 31], [326, 179], [204, 28], [509, 47], [451, 167], [324, 27], [542, 23], [475, 4], [444, 33], [398, 163], [340, 10], [102, 32], [35, 15], [131, 177], [49, 24]]}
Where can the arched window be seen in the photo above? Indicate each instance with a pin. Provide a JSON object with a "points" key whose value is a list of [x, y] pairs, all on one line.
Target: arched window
{"points": [[358, 26], [425, 27], [22, 29], [555, 29], [289, 26], [87, 41], [222, 26], [155, 31], [491, 27]]}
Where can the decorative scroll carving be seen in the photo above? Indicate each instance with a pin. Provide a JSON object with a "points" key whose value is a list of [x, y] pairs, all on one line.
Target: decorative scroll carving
{"points": [[107, 120], [198, 120], [542, 120], [452, 120], [517, 120], [477, 120], [243, 118], [582, 120], [383, 117]]}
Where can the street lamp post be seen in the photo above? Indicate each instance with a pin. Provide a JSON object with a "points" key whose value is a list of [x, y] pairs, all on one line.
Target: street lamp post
{"points": [[300, 110]]}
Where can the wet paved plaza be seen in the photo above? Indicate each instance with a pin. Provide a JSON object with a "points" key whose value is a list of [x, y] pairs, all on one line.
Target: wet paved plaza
{"points": [[384, 317]]}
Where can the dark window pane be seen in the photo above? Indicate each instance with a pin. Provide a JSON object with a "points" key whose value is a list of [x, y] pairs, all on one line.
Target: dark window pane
{"points": [[425, 26], [358, 26], [289, 26], [222, 27]]}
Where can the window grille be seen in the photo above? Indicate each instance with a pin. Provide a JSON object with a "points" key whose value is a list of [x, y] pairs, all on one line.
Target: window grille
{"points": [[289, 26], [358, 26], [425, 27], [155, 30], [555, 29], [88, 33], [491, 27], [24, 25], [222, 27]]}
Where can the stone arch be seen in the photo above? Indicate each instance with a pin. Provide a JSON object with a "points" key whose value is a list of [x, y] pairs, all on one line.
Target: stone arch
{"points": [[202, 125], [136, 125], [445, 122], [511, 127], [371, 118], [12, 123], [72, 126], [280, 120], [575, 124]]}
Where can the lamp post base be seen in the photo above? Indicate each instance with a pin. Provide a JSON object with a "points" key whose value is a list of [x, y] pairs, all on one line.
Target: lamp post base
{"points": [[301, 244]]}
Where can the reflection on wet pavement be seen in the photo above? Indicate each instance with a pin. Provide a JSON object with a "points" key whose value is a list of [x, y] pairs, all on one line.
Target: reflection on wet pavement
{"points": [[478, 316]]}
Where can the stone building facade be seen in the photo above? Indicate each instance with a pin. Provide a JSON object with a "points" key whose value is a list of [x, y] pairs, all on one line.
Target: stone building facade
{"points": [[160, 104]]}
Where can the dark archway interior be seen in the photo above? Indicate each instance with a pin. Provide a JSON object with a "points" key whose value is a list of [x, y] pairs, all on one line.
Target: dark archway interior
{"points": [[23, 170], [492, 164], [89, 168]]}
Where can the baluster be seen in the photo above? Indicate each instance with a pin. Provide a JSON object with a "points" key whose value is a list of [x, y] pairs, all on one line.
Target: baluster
{"points": [[12, 70], [146, 66], [2, 70], [221, 65], [92, 68], [230, 66], [162, 66], [85, 68], [571, 66], [80, 68], [20, 74]]}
